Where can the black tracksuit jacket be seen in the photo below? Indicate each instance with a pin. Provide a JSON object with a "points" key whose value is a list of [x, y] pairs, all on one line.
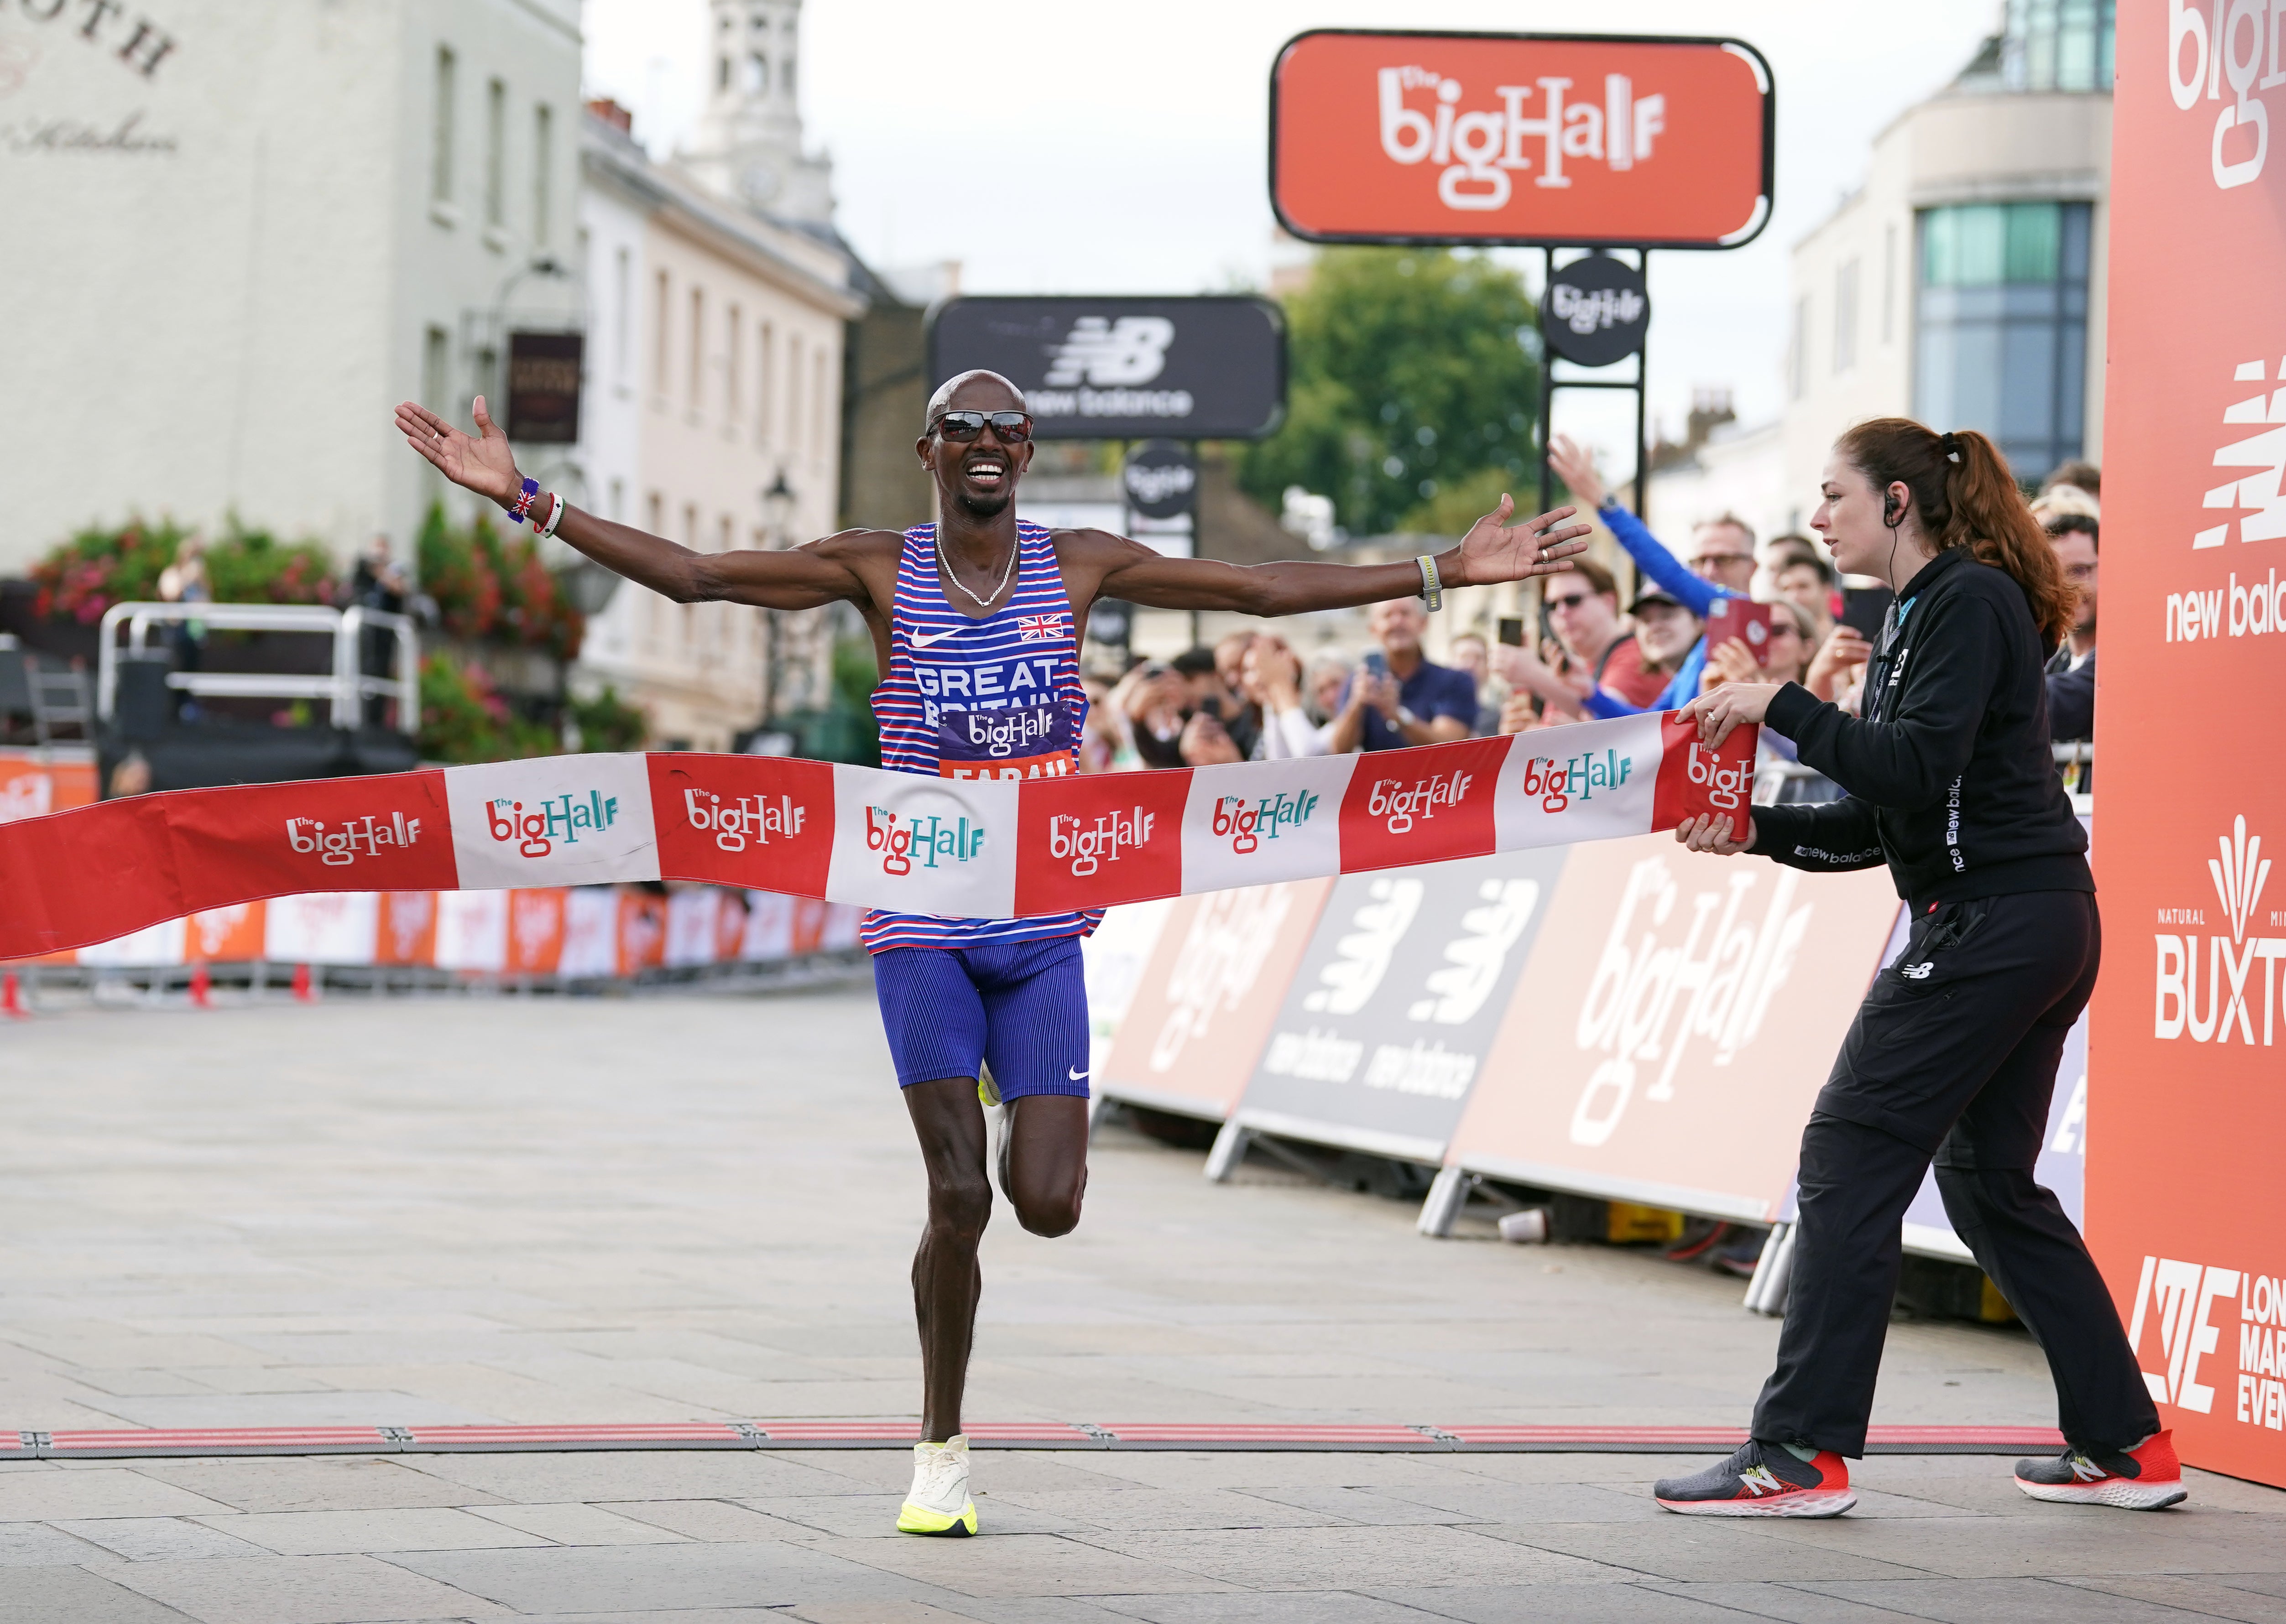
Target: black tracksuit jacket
{"points": [[1950, 777]]}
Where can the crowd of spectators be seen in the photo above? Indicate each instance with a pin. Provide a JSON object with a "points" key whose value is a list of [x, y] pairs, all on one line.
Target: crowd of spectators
{"points": [[1581, 655]]}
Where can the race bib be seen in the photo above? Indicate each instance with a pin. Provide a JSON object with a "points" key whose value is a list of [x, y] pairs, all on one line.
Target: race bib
{"points": [[1033, 741]]}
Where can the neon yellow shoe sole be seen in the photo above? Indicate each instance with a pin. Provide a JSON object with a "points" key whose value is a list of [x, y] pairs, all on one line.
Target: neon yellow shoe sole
{"points": [[920, 1519], [987, 1092]]}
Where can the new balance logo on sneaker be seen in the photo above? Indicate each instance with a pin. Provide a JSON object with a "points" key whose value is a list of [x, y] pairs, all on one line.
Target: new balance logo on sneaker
{"points": [[2146, 1477], [1762, 1480]]}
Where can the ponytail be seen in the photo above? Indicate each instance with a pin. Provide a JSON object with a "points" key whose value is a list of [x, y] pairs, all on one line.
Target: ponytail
{"points": [[1967, 499]]}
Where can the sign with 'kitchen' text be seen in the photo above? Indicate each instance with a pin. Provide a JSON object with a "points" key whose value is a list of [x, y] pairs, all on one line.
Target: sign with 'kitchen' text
{"points": [[1585, 140]]}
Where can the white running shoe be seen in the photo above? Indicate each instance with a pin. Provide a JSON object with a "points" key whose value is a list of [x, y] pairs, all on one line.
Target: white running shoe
{"points": [[938, 1502]]}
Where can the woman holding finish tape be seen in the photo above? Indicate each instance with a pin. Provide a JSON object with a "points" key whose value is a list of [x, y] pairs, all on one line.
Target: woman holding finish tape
{"points": [[1950, 781]]}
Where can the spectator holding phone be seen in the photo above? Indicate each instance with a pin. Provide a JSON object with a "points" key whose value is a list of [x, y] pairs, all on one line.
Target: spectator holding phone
{"points": [[1270, 677], [1406, 698], [1581, 608], [1721, 564], [1667, 634]]}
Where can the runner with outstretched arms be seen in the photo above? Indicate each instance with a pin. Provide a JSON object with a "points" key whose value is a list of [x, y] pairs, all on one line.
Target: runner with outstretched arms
{"points": [[976, 624]]}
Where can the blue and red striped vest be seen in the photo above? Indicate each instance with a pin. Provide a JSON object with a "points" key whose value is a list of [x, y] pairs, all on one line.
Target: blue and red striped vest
{"points": [[995, 697]]}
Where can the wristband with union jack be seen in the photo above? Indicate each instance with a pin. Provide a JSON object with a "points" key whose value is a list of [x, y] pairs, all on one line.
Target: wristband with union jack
{"points": [[521, 509]]}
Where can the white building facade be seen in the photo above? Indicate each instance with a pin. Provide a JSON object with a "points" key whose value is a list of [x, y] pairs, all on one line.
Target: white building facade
{"points": [[709, 416], [242, 232], [1963, 283]]}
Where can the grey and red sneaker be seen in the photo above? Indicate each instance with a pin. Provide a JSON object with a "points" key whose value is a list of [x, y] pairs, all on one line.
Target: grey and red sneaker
{"points": [[2146, 1477], [1762, 1480]]}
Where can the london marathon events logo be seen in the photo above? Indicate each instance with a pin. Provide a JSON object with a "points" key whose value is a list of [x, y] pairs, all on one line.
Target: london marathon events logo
{"points": [[340, 845], [1090, 846], [1558, 785], [1246, 823], [934, 841], [558, 820], [749, 820]]}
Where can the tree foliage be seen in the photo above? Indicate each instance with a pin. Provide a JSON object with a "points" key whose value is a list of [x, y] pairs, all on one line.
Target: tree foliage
{"points": [[1414, 372]]}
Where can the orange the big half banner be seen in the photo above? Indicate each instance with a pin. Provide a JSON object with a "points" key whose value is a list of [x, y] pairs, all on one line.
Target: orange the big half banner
{"points": [[1570, 140], [2186, 1115]]}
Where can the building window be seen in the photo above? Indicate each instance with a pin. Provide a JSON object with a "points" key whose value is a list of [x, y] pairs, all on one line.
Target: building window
{"points": [[2058, 45], [758, 74], [2001, 313], [735, 342], [1845, 316], [543, 163], [623, 294], [436, 372], [818, 405], [662, 322], [440, 158], [1888, 283], [794, 392], [765, 385], [1798, 350], [496, 152], [697, 349]]}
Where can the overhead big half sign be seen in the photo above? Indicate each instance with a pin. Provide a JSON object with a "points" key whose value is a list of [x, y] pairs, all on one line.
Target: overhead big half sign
{"points": [[1578, 140]]}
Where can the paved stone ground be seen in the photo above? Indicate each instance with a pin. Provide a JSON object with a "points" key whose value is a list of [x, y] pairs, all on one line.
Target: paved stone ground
{"points": [[665, 1208]]}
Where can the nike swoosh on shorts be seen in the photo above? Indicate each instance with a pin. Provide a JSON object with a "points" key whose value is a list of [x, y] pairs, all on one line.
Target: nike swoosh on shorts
{"points": [[1075, 1076]]}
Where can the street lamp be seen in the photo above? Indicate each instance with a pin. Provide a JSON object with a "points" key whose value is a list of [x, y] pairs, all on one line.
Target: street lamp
{"points": [[778, 514]]}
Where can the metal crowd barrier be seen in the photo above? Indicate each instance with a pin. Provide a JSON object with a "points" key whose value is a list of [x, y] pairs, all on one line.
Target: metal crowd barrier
{"points": [[346, 686]]}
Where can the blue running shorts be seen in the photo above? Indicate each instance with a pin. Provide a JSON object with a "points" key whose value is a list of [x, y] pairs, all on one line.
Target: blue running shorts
{"points": [[1019, 1006]]}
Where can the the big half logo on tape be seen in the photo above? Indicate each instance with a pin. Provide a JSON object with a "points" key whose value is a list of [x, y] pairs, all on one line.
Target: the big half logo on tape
{"points": [[918, 845], [1255, 822], [1090, 841], [763, 822], [572, 820], [385, 832]]}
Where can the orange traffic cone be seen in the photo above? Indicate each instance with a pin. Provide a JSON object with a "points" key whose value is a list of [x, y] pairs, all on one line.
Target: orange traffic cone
{"points": [[202, 987], [12, 998], [305, 989]]}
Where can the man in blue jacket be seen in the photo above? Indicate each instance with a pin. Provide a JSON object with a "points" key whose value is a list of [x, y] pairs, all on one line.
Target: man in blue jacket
{"points": [[1722, 565]]}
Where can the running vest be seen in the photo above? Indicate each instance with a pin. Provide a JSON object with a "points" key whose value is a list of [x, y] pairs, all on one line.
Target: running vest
{"points": [[998, 697]]}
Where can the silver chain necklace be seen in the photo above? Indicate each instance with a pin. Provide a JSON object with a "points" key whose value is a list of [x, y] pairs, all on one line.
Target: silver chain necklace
{"points": [[964, 586]]}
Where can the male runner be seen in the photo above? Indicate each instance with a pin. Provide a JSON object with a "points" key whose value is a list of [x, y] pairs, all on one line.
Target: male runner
{"points": [[979, 612]]}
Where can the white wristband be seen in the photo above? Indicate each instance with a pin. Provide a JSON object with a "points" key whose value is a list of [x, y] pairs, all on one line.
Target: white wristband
{"points": [[1433, 593], [554, 516]]}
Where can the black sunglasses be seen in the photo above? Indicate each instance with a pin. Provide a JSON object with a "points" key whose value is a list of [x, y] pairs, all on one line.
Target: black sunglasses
{"points": [[1012, 428]]}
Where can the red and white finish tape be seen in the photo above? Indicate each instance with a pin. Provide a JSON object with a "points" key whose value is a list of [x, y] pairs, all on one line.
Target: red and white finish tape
{"points": [[970, 848]]}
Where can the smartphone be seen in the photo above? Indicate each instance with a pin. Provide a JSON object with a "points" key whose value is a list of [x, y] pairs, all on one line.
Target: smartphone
{"points": [[1729, 618], [1375, 662], [1864, 608], [1511, 631]]}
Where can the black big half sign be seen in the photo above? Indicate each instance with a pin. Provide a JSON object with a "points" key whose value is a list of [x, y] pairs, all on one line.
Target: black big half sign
{"points": [[1120, 369]]}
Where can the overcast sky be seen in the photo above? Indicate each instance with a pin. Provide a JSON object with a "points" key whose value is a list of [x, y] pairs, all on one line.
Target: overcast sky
{"points": [[1098, 148]]}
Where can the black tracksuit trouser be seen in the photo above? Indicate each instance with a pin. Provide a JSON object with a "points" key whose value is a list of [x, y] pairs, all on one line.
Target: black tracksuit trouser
{"points": [[1953, 1055]]}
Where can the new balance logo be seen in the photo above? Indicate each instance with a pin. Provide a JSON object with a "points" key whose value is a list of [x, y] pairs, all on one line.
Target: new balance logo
{"points": [[1919, 972], [2264, 452], [1111, 354], [2085, 1469], [1759, 1480]]}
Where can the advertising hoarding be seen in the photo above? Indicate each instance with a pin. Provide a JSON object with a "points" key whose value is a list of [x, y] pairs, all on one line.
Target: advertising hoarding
{"points": [[1673, 1025], [1391, 1011], [1584, 140], [2185, 1038], [1124, 368]]}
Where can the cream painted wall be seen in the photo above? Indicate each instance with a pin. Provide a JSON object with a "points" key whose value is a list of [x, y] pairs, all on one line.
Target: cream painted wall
{"points": [[237, 259], [714, 401], [1954, 148]]}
